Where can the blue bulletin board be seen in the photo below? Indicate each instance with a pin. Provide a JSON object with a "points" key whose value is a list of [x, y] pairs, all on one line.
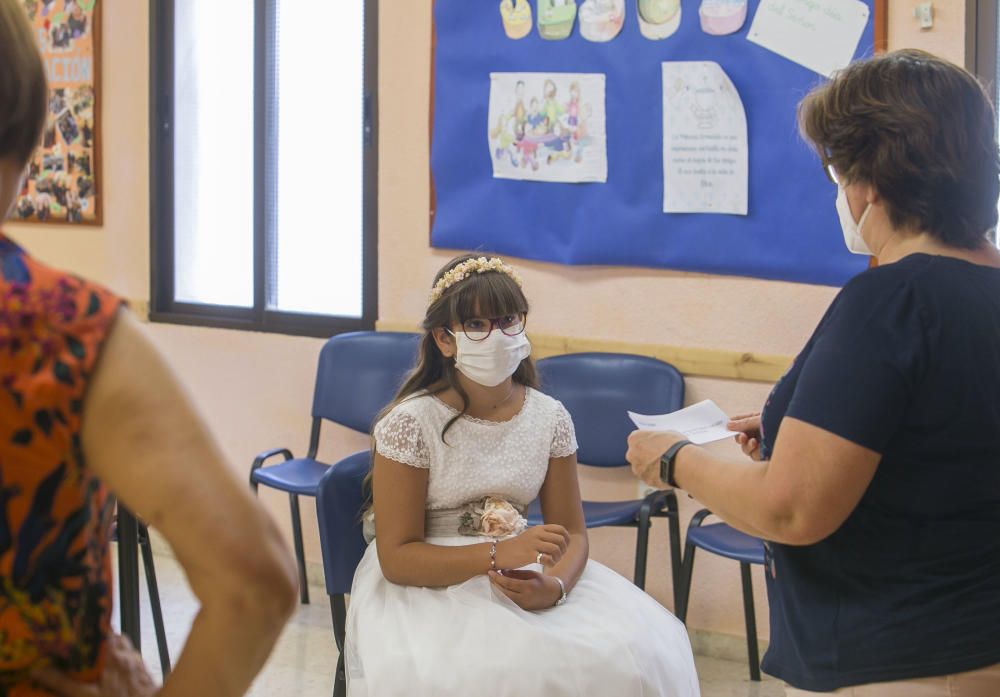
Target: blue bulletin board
{"points": [[791, 232]]}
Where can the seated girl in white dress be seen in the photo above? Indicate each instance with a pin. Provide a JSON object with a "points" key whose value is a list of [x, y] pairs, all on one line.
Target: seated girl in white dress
{"points": [[456, 595]]}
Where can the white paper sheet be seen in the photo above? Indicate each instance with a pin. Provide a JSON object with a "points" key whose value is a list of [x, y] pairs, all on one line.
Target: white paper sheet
{"points": [[700, 423], [705, 153], [822, 35], [548, 127]]}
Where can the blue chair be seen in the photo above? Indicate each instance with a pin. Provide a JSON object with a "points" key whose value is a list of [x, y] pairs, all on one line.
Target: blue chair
{"points": [[721, 539], [340, 500], [358, 374], [598, 389]]}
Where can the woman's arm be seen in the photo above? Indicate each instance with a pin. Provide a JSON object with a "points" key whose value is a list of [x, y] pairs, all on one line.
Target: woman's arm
{"points": [[143, 438], [561, 505], [400, 495], [803, 494]]}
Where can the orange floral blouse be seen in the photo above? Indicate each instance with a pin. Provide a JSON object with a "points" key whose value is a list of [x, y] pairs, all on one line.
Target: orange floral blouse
{"points": [[55, 516]]}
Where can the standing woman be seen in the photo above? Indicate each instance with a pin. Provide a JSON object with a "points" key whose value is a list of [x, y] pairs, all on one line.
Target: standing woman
{"points": [[876, 472], [88, 407]]}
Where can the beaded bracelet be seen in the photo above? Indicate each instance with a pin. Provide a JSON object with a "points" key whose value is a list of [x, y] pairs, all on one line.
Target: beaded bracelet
{"points": [[493, 556]]}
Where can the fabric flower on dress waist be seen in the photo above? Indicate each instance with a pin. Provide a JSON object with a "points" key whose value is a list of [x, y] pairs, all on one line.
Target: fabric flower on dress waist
{"points": [[491, 517]]}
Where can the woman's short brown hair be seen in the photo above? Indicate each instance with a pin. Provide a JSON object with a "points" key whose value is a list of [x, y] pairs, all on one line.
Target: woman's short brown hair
{"points": [[922, 132], [23, 87]]}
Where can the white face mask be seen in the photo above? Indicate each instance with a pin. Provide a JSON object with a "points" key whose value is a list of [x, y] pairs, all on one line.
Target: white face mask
{"points": [[493, 360], [852, 230]]}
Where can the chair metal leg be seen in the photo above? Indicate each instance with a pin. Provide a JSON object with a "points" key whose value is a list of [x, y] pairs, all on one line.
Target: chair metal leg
{"points": [[154, 599], [642, 545], [300, 555], [674, 533], [684, 590], [340, 682], [338, 609], [687, 567], [751, 622], [128, 575]]}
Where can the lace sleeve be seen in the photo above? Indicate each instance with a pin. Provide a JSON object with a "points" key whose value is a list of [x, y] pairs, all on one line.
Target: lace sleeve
{"points": [[563, 435], [398, 437]]}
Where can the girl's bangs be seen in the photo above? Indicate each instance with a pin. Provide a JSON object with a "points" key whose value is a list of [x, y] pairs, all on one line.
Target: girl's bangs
{"points": [[491, 294]]}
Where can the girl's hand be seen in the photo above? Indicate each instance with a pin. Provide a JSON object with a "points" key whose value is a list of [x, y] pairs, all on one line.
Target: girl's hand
{"points": [[530, 590], [645, 448], [748, 426], [125, 675], [550, 541]]}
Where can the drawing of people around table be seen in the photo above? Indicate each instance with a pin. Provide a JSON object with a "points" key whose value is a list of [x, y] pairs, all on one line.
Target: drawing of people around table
{"points": [[548, 127], [705, 149]]}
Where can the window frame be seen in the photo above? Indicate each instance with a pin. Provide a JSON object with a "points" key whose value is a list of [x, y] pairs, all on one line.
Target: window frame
{"points": [[981, 41], [982, 50], [163, 305]]}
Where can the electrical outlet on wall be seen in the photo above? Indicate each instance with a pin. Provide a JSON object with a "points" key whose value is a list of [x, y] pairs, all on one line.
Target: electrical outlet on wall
{"points": [[924, 12]]}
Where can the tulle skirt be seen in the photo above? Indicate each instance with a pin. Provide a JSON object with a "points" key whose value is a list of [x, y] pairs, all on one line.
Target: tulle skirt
{"points": [[608, 638]]}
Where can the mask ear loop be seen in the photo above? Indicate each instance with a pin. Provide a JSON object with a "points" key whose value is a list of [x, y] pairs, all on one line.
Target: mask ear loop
{"points": [[862, 219], [453, 359]]}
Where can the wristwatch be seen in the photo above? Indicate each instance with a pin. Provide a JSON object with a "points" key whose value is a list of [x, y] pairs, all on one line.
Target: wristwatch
{"points": [[667, 463]]}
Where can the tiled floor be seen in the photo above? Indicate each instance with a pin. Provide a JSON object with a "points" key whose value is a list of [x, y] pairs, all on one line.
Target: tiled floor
{"points": [[303, 663]]}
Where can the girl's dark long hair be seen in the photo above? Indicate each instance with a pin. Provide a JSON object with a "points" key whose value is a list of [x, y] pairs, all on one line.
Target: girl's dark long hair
{"points": [[489, 294]]}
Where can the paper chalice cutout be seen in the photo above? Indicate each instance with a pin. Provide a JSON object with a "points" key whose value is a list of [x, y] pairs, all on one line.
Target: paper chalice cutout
{"points": [[721, 17], [556, 18], [516, 15], [659, 19], [601, 20]]}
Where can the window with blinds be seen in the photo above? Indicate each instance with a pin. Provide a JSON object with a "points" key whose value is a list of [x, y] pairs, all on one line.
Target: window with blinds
{"points": [[264, 165]]}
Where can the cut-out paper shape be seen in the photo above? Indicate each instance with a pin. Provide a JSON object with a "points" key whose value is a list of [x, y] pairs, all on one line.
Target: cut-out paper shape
{"points": [[556, 18], [548, 127], [821, 35], [721, 17], [516, 18], [658, 19], [601, 20], [705, 151]]}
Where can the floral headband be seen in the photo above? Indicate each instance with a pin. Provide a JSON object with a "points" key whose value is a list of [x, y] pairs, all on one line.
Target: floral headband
{"points": [[466, 269]]}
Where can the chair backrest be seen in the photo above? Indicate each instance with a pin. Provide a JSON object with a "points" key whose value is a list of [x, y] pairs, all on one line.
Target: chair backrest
{"points": [[339, 504], [599, 388], [359, 374]]}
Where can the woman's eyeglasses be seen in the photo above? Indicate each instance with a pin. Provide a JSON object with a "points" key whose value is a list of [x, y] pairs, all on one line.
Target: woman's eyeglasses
{"points": [[480, 328]]}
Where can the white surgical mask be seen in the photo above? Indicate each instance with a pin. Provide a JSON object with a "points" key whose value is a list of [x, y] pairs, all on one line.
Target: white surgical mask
{"points": [[493, 360], [852, 230]]}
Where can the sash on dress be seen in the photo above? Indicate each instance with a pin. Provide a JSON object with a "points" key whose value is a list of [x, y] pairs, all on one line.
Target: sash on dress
{"points": [[491, 517]]}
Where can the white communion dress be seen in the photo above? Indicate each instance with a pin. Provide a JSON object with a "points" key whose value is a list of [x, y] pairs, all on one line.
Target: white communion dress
{"points": [[609, 638]]}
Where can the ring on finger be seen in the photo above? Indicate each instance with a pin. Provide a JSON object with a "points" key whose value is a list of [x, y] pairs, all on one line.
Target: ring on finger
{"points": [[538, 559]]}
